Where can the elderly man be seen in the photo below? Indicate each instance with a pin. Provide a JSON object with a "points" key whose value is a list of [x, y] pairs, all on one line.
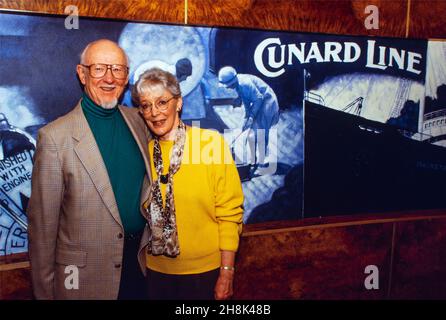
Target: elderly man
{"points": [[90, 177]]}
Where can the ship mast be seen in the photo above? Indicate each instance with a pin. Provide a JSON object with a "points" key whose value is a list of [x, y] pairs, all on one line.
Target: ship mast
{"points": [[401, 97]]}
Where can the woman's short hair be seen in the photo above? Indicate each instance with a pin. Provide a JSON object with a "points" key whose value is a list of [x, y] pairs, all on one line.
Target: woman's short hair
{"points": [[153, 77]]}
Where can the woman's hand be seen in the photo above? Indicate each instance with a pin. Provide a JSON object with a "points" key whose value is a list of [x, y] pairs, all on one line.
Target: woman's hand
{"points": [[223, 287]]}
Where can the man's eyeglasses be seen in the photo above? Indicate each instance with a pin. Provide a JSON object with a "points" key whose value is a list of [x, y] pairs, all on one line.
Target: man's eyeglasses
{"points": [[98, 70], [162, 105]]}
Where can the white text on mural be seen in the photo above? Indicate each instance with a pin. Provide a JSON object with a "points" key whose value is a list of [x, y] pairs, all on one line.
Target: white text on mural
{"points": [[279, 55], [13, 171]]}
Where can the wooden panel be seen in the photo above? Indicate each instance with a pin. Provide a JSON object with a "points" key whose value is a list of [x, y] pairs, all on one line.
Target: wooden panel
{"points": [[420, 260], [322, 262], [338, 221], [15, 277], [334, 16], [147, 10], [16, 284], [326, 263], [427, 19], [13, 258]]}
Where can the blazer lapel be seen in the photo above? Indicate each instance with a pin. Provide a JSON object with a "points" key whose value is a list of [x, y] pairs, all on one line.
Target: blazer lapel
{"points": [[88, 152], [141, 134]]}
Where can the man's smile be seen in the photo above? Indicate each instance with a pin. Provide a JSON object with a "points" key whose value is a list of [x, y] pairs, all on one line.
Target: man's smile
{"points": [[108, 88]]}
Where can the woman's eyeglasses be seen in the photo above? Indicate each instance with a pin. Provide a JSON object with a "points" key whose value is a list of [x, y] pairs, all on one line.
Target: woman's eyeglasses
{"points": [[161, 105]]}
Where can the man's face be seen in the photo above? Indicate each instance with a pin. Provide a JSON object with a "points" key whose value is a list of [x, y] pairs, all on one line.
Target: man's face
{"points": [[107, 90]]}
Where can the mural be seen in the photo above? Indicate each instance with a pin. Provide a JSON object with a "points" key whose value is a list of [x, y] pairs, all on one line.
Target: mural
{"points": [[39, 57], [257, 88], [381, 126]]}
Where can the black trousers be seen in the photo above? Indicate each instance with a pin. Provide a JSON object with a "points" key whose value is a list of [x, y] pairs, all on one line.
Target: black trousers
{"points": [[133, 284], [181, 287]]}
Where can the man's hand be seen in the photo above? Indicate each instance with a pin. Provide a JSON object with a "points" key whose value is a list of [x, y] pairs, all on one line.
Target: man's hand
{"points": [[223, 287]]}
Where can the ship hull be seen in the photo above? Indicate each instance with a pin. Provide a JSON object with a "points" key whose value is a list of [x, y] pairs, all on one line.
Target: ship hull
{"points": [[355, 165]]}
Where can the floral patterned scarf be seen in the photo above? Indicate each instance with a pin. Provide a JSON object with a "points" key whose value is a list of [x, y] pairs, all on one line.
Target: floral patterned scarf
{"points": [[163, 235]]}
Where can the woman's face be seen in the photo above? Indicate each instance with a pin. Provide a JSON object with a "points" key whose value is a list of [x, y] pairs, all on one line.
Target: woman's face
{"points": [[161, 111]]}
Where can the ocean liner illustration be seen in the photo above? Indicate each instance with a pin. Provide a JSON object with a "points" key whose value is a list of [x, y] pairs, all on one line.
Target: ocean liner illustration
{"points": [[357, 165]]}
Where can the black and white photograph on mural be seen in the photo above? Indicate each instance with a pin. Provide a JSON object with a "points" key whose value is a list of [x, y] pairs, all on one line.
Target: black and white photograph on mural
{"points": [[433, 123], [363, 153], [17, 145], [260, 117], [306, 116]]}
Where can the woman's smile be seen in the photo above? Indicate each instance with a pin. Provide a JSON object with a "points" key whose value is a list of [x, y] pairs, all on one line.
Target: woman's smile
{"points": [[159, 123]]}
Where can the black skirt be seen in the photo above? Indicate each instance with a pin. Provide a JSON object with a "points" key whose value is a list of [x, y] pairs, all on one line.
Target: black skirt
{"points": [[200, 286]]}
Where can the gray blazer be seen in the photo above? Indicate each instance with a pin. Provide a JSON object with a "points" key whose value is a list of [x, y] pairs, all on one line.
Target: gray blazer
{"points": [[73, 215]]}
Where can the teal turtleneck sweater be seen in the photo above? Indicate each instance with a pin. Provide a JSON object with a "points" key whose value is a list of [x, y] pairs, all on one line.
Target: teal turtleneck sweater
{"points": [[122, 158]]}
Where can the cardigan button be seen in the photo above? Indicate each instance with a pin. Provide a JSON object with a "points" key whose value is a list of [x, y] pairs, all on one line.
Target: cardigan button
{"points": [[120, 235], [117, 265]]}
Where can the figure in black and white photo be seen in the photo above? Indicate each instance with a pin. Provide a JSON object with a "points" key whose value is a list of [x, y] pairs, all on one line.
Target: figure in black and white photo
{"points": [[261, 109]]}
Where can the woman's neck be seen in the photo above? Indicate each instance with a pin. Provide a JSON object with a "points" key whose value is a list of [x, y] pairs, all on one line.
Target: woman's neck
{"points": [[169, 136]]}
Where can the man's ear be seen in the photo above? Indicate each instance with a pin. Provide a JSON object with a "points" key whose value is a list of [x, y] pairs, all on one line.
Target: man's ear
{"points": [[81, 74]]}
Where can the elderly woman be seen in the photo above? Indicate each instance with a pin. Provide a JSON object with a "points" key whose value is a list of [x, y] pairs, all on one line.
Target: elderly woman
{"points": [[194, 211]]}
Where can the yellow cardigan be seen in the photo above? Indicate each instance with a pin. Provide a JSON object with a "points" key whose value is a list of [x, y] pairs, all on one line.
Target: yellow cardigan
{"points": [[208, 202]]}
